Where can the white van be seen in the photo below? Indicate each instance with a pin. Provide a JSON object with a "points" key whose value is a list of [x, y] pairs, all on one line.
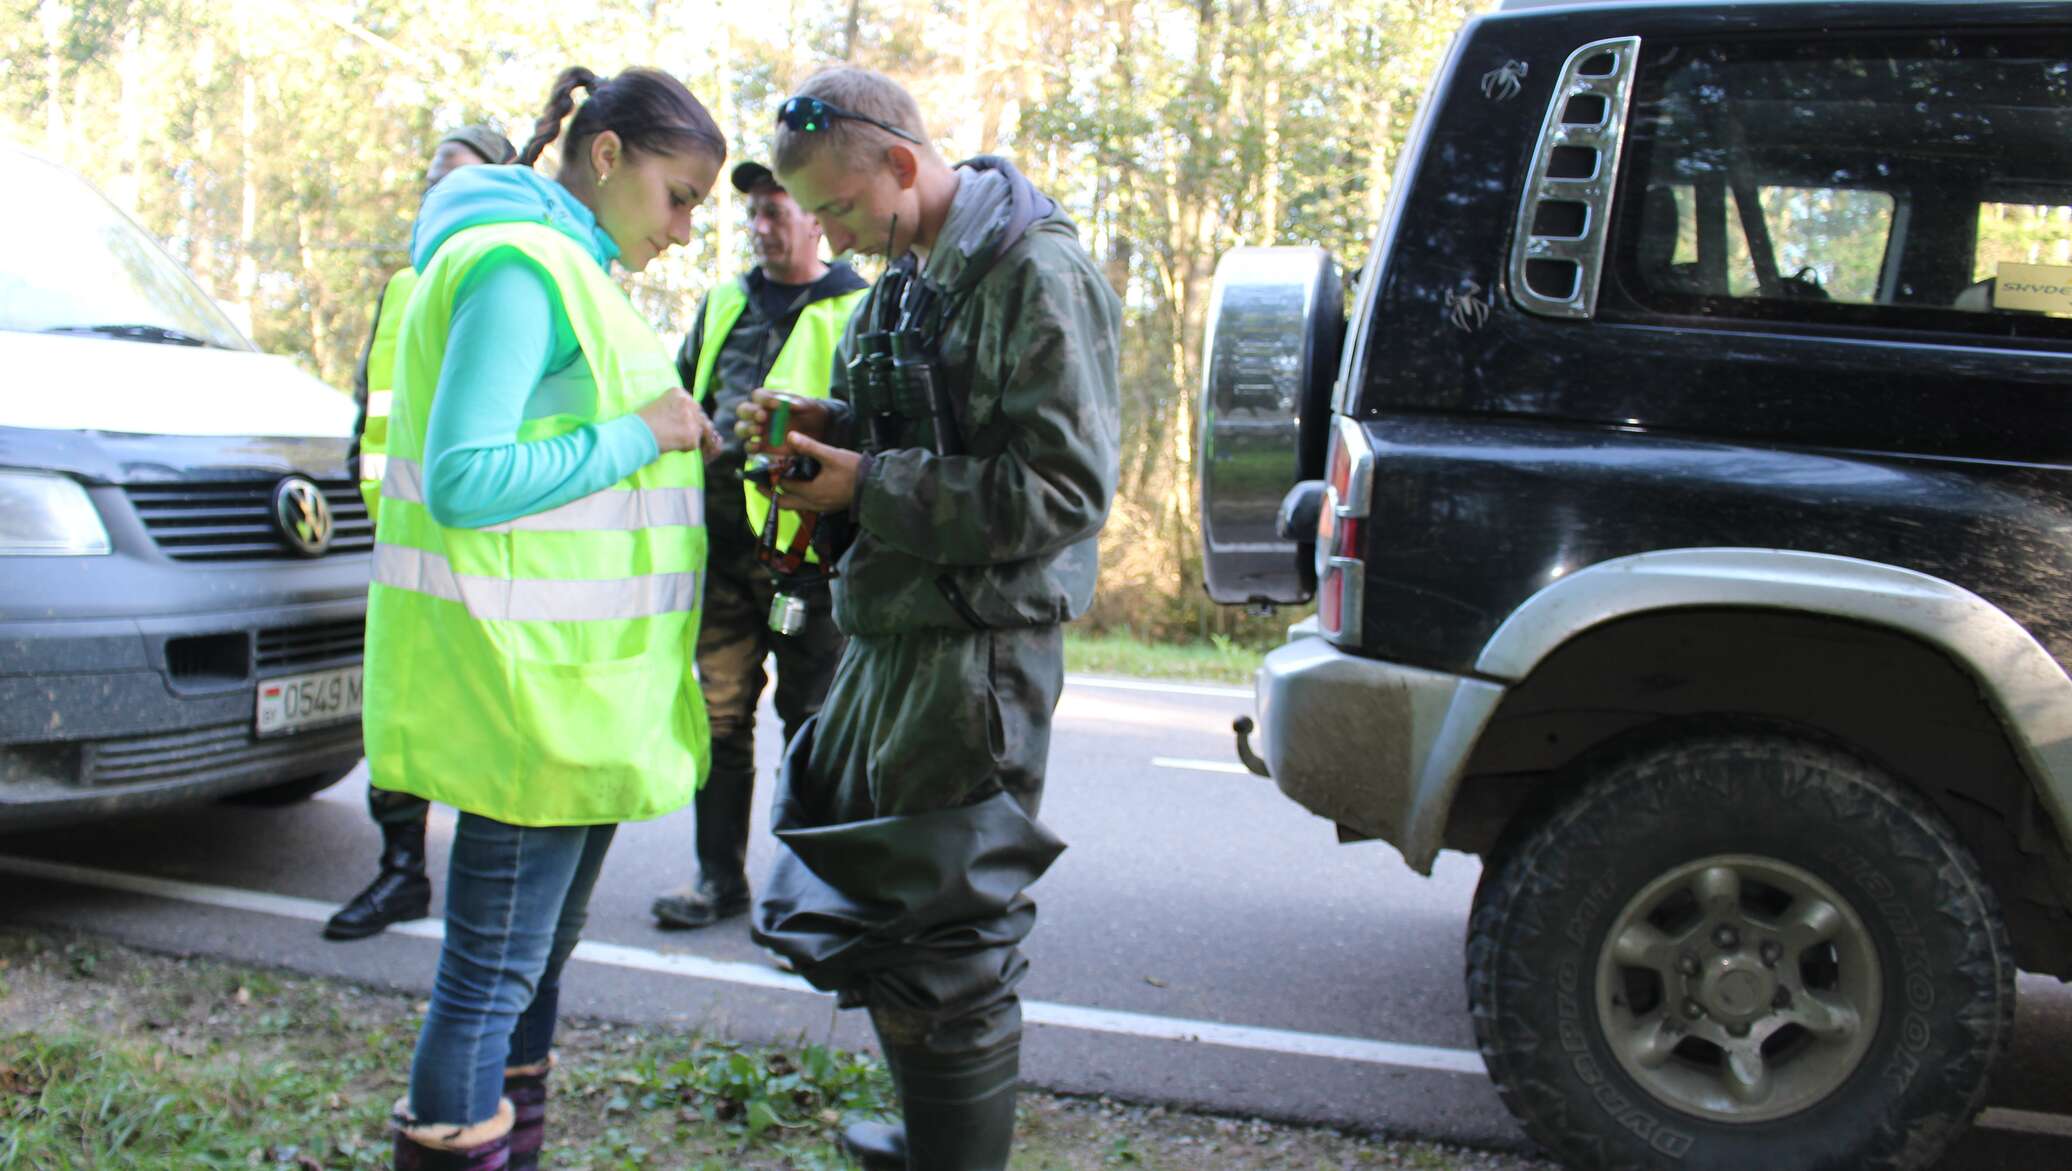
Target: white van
{"points": [[183, 549]]}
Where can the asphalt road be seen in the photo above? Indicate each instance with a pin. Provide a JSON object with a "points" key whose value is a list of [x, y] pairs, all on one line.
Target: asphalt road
{"points": [[1203, 943]]}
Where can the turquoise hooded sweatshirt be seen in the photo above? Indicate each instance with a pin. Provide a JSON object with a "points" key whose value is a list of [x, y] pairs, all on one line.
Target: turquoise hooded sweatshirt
{"points": [[511, 355]]}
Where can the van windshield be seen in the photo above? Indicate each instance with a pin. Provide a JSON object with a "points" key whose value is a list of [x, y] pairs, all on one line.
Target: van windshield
{"points": [[71, 263]]}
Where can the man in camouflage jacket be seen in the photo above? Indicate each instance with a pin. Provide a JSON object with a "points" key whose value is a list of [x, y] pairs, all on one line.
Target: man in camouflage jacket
{"points": [[907, 812]]}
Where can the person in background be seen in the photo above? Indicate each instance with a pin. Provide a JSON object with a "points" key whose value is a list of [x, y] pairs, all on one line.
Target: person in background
{"points": [[776, 326], [538, 564], [400, 891]]}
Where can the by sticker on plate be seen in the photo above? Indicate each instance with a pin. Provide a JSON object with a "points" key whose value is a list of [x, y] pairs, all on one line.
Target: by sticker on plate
{"points": [[2037, 288]]}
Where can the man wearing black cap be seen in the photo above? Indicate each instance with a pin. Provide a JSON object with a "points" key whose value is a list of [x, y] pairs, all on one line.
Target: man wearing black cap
{"points": [[401, 891], [776, 327]]}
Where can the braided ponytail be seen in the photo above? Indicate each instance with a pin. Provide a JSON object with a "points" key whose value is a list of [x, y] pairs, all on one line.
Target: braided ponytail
{"points": [[649, 110], [559, 104]]}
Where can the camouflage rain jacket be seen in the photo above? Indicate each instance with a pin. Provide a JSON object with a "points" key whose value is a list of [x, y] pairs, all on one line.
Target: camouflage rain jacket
{"points": [[1005, 535]]}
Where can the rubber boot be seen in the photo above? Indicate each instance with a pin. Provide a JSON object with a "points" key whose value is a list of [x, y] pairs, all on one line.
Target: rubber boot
{"points": [[525, 1087], [485, 1146], [401, 891], [878, 1146], [960, 1106], [724, 806]]}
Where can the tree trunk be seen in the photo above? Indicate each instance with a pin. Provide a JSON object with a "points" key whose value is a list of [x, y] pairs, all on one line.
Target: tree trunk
{"points": [[1270, 115], [127, 189], [248, 204], [53, 14], [723, 191], [850, 29]]}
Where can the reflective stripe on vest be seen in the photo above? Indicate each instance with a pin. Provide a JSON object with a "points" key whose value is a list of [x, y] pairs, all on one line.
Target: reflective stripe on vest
{"points": [[538, 671], [606, 510], [803, 367], [499, 599]]}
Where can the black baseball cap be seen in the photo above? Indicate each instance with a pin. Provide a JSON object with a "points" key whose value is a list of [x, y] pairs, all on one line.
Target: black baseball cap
{"points": [[752, 177]]}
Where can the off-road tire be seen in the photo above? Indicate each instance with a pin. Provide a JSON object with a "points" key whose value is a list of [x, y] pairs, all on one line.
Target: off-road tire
{"points": [[1545, 906]]}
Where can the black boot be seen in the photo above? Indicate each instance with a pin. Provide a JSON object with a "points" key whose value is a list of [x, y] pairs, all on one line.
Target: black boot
{"points": [[401, 891], [701, 904], [878, 1146], [957, 1095], [723, 806], [960, 1107]]}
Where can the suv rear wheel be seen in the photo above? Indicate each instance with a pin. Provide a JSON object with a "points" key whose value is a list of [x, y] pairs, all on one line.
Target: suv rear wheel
{"points": [[1737, 951]]}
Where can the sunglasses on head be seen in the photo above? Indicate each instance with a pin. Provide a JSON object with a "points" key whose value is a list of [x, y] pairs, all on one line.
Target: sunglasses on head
{"points": [[812, 114]]}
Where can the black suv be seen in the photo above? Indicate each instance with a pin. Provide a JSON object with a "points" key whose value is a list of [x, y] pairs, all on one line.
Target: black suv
{"points": [[1688, 510]]}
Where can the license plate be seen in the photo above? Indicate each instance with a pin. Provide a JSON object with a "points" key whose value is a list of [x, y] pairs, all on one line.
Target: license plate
{"points": [[293, 702]]}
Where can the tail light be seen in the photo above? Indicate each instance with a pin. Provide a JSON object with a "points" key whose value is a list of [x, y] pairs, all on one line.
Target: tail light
{"points": [[1348, 492]]}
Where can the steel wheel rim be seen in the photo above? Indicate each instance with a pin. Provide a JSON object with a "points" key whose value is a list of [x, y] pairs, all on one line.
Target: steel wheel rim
{"points": [[1739, 988]]}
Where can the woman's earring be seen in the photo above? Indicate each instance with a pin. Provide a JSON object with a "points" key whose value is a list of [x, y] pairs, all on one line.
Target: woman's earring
{"points": [[602, 178]]}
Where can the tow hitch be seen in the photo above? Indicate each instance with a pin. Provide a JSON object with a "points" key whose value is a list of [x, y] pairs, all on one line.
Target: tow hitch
{"points": [[1243, 727]]}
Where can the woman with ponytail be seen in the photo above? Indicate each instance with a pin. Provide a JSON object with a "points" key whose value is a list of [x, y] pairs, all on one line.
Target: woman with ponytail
{"points": [[538, 568]]}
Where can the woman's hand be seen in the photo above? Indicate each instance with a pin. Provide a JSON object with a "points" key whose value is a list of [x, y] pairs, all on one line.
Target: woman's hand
{"points": [[679, 423]]}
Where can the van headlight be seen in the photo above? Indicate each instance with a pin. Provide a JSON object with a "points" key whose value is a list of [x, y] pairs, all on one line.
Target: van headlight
{"points": [[46, 515]]}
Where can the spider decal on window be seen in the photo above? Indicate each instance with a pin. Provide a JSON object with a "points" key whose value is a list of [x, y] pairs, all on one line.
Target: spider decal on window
{"points": [[1466, 308], [1505, 82]]}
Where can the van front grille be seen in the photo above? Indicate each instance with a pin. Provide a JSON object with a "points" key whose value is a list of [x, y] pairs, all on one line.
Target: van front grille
{"points": [[310, 646], [233, 520]]}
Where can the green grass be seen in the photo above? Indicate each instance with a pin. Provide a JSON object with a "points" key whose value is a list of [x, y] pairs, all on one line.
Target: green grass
{"points": [[76, 1101], [83, 1101], [113, 1058], [136, 1061], [1218, 660]]}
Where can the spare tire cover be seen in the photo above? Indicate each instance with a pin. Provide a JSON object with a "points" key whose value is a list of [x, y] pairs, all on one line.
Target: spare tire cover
{"points": [[1269, 357]]}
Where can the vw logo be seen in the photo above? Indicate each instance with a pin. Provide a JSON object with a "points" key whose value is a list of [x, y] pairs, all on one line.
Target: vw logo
{"points": [[304, 516]]}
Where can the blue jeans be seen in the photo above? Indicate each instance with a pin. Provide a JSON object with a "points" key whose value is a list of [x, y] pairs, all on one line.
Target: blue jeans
{"points": [[516, 901]]}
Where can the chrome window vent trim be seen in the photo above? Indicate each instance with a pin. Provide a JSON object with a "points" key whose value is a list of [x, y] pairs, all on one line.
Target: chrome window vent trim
{"points": [[1585, 251]]}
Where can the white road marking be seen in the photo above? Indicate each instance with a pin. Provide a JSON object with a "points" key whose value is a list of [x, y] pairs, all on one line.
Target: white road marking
{"points": [[1360, 1049], [1140, 713], [1154, 685], [1064, 1016], [1207, 766]]}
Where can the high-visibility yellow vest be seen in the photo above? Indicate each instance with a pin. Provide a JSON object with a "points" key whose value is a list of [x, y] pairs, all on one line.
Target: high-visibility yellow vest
{"points": [[381, 384], [539, 671], [803, 367]]}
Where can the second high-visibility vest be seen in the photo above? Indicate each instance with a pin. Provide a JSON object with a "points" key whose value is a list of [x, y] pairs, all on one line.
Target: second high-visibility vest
{"points": [[381, 384], [538, 671], [803, 367]]}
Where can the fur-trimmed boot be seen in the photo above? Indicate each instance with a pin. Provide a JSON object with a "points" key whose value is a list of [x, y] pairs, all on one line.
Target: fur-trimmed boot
{"points": [[436, 1146], [525, 1088]]}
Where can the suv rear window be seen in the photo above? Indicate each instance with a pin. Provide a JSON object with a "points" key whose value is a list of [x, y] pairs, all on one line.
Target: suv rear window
{"points": [[1917, 183]]}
